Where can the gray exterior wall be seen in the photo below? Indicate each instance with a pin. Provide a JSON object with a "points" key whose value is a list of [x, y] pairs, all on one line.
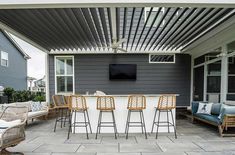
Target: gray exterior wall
{"points": [[15, 75], [92, 73]]}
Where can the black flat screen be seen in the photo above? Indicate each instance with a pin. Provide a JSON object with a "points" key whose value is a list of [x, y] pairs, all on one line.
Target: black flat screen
{"points": [[122, 71]]}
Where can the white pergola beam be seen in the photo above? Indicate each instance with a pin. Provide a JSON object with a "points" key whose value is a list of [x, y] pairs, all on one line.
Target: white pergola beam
{"points": [[19, 35], [13, 4], [114, 23]]}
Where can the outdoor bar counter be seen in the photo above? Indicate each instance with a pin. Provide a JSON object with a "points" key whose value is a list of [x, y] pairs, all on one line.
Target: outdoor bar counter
{"points": [[120, 113]]}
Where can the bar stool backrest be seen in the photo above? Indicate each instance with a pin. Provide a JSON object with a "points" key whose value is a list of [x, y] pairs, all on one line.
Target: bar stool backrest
{"points": [[59, 100], [167, 101], [137, 102], [67, 99], [105, 103], [77, 102]]}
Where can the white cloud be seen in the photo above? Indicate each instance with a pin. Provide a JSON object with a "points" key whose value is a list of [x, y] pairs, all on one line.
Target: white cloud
{"points": [[36, 65]]}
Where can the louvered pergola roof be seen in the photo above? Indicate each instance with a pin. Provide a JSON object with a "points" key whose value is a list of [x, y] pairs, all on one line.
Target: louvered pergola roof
{"points": [[94, 29]]}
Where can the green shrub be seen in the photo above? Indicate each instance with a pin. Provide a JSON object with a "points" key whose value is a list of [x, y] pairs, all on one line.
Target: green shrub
{"points": [[8, 91], [39, 98], [23, 95]]}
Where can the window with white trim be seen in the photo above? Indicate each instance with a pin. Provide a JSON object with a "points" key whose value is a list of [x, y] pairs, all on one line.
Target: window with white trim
{"points": [[161, 58], [64, 74], [4, 59]]}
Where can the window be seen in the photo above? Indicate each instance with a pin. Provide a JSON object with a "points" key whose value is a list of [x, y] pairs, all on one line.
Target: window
{"points": [[152, 16], [161, 58], [64, 74], [4, 59]]}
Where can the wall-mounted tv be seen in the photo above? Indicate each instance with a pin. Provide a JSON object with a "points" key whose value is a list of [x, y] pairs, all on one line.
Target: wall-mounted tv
{"points": [[122, 71]]}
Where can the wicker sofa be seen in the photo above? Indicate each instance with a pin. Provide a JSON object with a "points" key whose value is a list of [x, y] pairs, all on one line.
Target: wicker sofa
{"points": [[12, 131], [32, 114], [222, 116]]}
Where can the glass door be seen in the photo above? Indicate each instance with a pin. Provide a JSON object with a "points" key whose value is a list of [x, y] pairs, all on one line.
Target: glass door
{"points": [[213, 82], [198, 81]]}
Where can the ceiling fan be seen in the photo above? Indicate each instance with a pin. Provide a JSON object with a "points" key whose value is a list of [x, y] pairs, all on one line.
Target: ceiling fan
{"points": [[115, 45]]}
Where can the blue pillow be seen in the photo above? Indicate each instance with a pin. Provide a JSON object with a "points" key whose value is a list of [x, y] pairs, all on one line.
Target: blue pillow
{"points": [[216, 108]]}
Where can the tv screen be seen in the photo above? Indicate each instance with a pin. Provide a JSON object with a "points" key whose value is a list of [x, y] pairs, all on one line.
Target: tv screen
{"points": [[122, 71]]}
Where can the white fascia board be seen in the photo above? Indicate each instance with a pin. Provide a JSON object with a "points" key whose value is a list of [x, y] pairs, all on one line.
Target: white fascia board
{"points": [[11, 4], [108, 51]]}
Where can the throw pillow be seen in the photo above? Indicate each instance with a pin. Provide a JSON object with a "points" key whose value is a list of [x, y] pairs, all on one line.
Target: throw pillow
{"points": [[36, 106], [204, 108], [216, 108]]}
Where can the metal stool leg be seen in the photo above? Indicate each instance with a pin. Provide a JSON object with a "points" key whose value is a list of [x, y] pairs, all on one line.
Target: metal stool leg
{"points": [[141, 120], [66, 115], [84, 114], [154, 118], [75, 117], [168, 122], [143, 124], [70, 124], [56, 120], [114, 125], [128, 113], [62, 117], [101, 113], [159, 115], [98, 125], [128, 121], [173, 124], [89, 123]]}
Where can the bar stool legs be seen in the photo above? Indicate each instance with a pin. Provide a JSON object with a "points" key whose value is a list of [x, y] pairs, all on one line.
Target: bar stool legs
{"points": [[142, 122], [109, 124], [76, 123], [61, 117], [159, 123]]}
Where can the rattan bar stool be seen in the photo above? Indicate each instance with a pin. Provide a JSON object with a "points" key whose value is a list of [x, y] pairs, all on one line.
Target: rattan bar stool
{"points": [[61, 107], [166, 103], [106, 104], [136, 103], [78, 105]]}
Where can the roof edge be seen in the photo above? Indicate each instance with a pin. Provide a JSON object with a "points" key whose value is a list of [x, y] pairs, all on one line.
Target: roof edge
{"points": [[9, 37]]}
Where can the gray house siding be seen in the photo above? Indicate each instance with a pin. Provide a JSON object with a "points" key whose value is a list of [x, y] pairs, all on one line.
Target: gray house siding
{"points": [[92, 73], [15, 75]]}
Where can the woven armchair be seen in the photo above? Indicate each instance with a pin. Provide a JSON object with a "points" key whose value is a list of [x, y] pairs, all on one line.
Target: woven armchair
{"points": [[13, 135]]}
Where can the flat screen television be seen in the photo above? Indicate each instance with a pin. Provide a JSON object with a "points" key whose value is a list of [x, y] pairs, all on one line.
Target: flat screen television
{"points": [[122, 71]]}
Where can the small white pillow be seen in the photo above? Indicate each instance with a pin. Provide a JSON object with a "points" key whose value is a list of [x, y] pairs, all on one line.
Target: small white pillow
{"points": [[99, 93], [5, 124], [204, 108]]}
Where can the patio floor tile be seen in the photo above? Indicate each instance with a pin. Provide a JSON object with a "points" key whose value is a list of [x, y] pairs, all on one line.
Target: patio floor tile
{"points": [[179, 147], [217, 146], [57, 148], [100, 148], [139, 148], [120, 139]]}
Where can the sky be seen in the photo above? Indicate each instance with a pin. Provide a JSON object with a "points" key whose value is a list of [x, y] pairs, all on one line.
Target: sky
{"points": [[35, 65]]}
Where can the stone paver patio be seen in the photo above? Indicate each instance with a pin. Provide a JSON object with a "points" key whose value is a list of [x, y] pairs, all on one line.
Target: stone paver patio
{"points": [[193, 139]]}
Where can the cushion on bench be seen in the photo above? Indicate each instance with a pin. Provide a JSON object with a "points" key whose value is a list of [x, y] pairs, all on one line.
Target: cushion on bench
{"points": [[210, 118]]}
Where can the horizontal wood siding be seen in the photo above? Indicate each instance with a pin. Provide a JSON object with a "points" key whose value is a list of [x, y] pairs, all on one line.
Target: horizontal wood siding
{"points": [[92, 73]]}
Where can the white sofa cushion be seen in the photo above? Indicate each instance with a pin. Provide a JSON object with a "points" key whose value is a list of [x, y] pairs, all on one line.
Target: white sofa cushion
{"points": [[36, 114], [5, 124]]}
